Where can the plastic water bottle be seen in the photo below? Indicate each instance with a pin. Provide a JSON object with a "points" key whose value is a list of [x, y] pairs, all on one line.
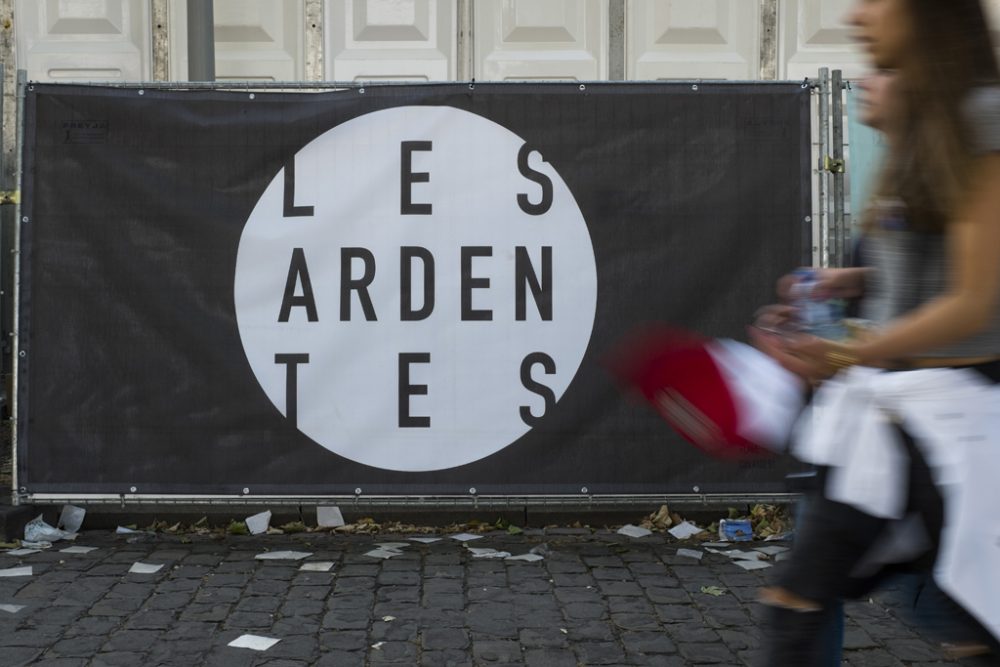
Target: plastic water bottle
{"points": [[819, 317]]}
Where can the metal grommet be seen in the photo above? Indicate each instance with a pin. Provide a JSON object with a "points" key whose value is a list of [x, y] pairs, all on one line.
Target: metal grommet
{"points": [[246, 490], [583, 87], [24, 219], [252, 96], [22, 353], [809, 218], [696, 489], [361, 90], [142, 92], [472, 490], [357, 491], [31, 87], [584, 490], [132, 489], [694, 87]]}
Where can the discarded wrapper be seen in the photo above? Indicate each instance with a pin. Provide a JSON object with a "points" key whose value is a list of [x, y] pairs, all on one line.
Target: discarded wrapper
{"points": [[735, 530]]}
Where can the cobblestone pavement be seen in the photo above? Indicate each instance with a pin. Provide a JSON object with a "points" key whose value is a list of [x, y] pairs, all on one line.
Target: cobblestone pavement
{"points": [[596, 599]]}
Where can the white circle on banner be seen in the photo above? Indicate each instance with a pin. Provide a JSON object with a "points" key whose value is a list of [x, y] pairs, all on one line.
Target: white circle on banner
{"points": [[319, 300]]}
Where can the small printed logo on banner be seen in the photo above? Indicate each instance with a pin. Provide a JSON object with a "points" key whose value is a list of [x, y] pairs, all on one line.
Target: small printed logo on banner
{"points": [[84, 131], [416, 289]]}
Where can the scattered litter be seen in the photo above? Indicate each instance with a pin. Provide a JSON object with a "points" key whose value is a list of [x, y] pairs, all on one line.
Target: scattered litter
{"points": [[633, 531], [329, 516], [770, 520], [660, 519], [77, 550], [11, 608], [771, 551], [258, 523], [377, 645], [283, 555], [392, 545], [384, 553], [685, 530], [71, 518], [529, 557], [37, 530], [735, 530], [122, 530], [425, 540], [465, 537], [318, 566], [145, 568], [713, 590], [782, 537], [540, 549], [736, 554], [488, 553], [388, 619], [36, 545], [23, 552], [690, 553], [752, 564], [255, 642], [564, 631], [23, 571]]}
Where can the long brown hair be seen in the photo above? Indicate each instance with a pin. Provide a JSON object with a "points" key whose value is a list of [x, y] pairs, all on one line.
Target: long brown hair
{"points": [[929, 166]]}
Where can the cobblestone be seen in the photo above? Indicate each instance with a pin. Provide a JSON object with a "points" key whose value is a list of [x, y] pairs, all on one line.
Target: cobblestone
{"points": [[596, 599]]}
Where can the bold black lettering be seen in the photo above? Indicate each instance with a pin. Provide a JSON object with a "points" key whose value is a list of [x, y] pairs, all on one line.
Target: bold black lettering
{"points": [[549, 366], [469, 283], [291, 210], [407, 177], [406, 420], [406, 256], [545, 204], [359, 285], [291, 362], [298, 272], [541, 291]]}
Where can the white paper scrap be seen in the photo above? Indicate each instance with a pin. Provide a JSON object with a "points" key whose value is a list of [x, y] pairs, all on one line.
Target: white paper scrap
{"points": [[690, 553], [71, 518], [531, 558], [122, 530], [35, 545], [465, 537], [11, 608], [318, 566], [145, 568], [752, 564], [388, 619], [77, 550], [633, 531], [425, 540], [255, 642], [684, 530], [23, 552], [737, 554], [283, 555], [329, 516], [384, 553], [259, 523], [771, 551], [23, 571], [489, 553]]}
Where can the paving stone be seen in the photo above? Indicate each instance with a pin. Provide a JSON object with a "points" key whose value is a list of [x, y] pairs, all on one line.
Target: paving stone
{"points": [[599, 653], [393, 652], [342, 659], [133, 641], [699, 654], [496, 651], [117, 659], [20, 655], [550, 657], [873, 658], [77, 647], [648, 642]]}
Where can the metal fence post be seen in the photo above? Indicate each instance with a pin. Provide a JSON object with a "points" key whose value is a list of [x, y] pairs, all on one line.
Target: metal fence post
{"points": [[201, 40], [840, 247], [824, 135], [15, 253]]}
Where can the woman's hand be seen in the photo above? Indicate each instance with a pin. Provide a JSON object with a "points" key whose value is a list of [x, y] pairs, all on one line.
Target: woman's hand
{"points": [[830, 284], [811, 358]]}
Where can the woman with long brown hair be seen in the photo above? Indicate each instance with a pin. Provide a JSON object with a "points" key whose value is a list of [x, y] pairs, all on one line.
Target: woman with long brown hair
{"points": [[909, 412]]}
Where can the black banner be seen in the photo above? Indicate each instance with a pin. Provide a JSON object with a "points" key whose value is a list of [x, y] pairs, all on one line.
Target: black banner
{"points": [[398, 289]]}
